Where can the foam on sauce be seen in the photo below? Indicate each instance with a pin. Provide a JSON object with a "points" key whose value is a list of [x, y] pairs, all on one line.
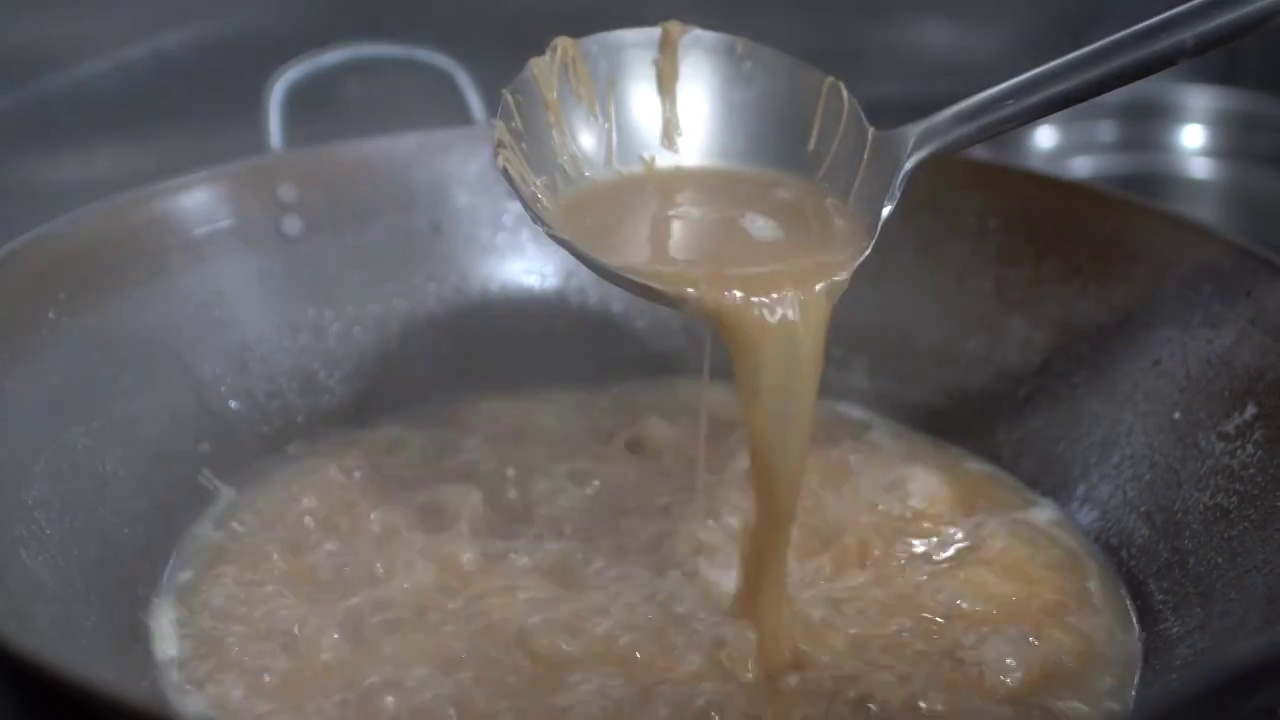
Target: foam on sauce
{"points": [[549, 556]]}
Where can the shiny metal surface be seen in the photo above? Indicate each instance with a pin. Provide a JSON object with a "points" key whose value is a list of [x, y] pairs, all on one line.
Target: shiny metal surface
{"points": [[742, 104], [275, 103], [207, 322], [1208, 153], [97, 98]]}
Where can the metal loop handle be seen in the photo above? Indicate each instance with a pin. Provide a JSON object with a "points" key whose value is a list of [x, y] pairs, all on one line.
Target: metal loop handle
{"points": [[305, 66]]}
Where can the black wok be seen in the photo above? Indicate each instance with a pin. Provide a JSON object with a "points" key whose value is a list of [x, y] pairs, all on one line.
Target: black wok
{"points": [[1118, 360]]}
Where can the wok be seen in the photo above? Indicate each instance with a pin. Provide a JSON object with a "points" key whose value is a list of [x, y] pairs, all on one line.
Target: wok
{"points": [[1118, 360]]}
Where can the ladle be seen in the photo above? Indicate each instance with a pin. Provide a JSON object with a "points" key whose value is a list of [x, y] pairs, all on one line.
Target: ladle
{"points": [[589, 109]]}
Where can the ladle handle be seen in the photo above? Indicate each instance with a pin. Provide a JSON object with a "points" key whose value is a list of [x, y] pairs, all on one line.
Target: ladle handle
{"points": [[1159, 43]]}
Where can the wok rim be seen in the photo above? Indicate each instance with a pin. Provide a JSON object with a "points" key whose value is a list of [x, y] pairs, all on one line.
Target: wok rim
{"points": [[32, 658]]}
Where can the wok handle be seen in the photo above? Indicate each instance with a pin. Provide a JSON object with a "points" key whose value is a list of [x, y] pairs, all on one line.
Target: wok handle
{"points": [[275, 97]]}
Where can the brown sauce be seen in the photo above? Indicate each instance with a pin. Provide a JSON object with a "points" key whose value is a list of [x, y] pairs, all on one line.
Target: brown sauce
{"points": [[549, 557], [764, 257]]}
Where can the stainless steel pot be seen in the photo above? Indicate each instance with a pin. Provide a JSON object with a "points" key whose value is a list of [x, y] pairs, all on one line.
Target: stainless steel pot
{"points": [[1118, 360], [1206, 152]]}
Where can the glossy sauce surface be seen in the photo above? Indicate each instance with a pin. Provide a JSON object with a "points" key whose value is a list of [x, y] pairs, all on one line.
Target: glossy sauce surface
{"points": [[552, 556]]}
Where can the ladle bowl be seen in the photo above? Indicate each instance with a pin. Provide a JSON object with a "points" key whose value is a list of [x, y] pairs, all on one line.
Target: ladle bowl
{"points": [[592, 108], [739, 105]]}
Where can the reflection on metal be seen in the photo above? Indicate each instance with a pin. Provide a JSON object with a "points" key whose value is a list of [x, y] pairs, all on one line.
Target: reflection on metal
{"points": [[205, 209], [1046, 136], [1193, 136], [1205, 152], [303, 68]]}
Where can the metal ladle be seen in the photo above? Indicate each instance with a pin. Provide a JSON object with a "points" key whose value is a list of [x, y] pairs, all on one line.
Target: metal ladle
{"points": [[744, 105]]}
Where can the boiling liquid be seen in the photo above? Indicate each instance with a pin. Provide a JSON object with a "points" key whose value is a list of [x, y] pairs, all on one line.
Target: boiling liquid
{"points": [[550, 556]]}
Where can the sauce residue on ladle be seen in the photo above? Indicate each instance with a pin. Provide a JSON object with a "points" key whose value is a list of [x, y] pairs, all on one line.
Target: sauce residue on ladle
{"points": [[668, 67]]}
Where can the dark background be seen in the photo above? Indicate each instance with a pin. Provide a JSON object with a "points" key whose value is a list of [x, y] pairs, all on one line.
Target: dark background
{"points": [[98, 96]]}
